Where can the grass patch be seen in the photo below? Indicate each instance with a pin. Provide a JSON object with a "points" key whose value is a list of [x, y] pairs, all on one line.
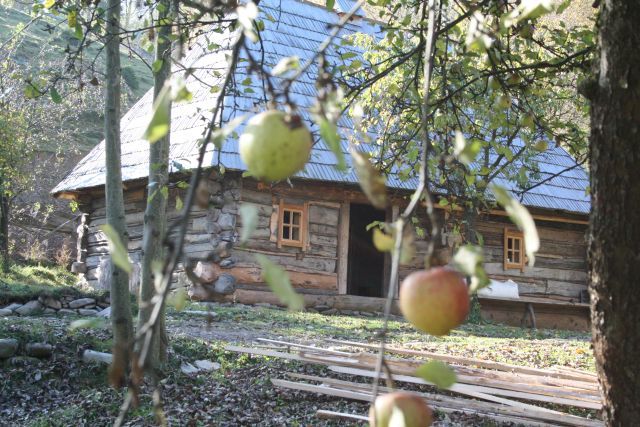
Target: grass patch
{"points": [[25, 282], [526, 347]]}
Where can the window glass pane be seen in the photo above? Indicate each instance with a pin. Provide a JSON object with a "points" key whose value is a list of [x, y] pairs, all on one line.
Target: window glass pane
{"points": [[517, 243], [516, 257], [287, 217], [509, 256], [286, 232], [296, 218], [509, 243], [295, 233]]}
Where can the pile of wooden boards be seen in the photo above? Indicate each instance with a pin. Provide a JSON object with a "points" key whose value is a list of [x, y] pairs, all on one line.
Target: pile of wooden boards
{"points": [[493, 390]]}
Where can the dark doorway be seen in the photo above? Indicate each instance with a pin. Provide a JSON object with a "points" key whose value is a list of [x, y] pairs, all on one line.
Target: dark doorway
{"points": [[365, 271]]}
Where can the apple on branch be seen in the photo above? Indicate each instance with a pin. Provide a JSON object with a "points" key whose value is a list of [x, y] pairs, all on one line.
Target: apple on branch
{"points": [[275, 145], [400, 409], [435, 301]]}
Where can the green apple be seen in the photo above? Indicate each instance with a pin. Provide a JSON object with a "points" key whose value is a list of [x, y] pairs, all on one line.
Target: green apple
{"points": [[275, 145], [434, 301], [400, 409]]}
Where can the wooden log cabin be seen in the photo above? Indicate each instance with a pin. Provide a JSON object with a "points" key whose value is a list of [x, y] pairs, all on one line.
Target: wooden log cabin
{"points": [[315, 226]]}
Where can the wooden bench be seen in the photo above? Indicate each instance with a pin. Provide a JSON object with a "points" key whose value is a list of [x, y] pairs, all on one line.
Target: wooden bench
{"points": [[536, 312]]}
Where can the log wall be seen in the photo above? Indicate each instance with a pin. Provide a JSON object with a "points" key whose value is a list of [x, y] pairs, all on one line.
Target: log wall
{"points": [[209, 229], [560, 269], [320, 267], [313, 267]]}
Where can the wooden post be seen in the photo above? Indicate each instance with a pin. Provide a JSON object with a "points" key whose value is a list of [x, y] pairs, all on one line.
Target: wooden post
{"points": [[395, 213], [343, 247]]}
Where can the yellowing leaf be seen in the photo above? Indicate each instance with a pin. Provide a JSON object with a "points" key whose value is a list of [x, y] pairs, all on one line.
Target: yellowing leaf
{"points": [[91, 323], [522, 218], [279, 283], [469, 261], [397, 418], [386, 242], [438, 373], [249, 215], [372, 182], [382, 241], [119, 254], [160, 122], [72, 18]]}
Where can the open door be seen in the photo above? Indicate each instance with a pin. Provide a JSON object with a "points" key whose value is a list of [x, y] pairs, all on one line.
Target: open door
{"points": [[366, 265]]}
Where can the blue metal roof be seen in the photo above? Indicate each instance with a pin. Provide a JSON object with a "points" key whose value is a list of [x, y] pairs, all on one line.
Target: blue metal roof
{"points": [[292, 27]]}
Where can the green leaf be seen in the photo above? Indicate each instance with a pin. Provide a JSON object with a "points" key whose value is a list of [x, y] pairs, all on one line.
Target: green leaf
{"points": [[372, 182], [31, 91], [160, 122], [219, 135], [438, 373], [157, 65], [91, 323], [329, 133], [330, 4], [49, 3], [78, 33], [55, 96], [469, 261], [183, 94], [348, 55], [119, 254], [465, 151], [522, 218], [179, 203], [249, 216], [285, 65], [178, 298], [278, 280]]}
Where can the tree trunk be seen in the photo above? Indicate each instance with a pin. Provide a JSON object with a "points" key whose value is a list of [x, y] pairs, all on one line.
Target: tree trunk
{"points": [[4, 228], [155, 216], [614, 238], [121, 318]]}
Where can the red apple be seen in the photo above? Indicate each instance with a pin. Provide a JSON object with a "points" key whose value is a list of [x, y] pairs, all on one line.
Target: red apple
{"points": [[409, 407], [435, 301]]}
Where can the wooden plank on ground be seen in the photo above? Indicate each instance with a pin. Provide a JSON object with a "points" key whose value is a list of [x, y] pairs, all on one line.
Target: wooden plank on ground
{"points": [[332, 415], [358, 364], [306, 347], [524, 416], [576, 375], [487, 390]]}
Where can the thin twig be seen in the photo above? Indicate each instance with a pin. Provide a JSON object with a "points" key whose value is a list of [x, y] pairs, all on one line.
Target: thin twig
{"points": [[417, 195]]}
